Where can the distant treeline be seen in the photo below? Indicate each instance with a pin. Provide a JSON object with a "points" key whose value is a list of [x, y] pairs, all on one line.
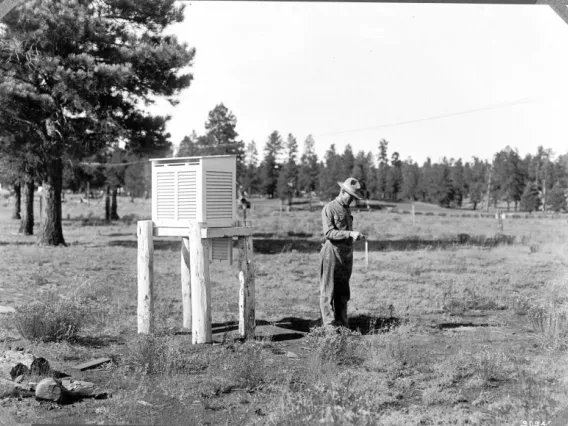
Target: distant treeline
{"points": [[537, 181]]}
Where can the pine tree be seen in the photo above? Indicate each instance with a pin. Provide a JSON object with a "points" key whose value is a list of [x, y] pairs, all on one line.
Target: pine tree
{"points": [[410, 180], [383, 170], [76, 75], [347, 161], [288, 178], [530, 200], [394, 178], [251, 181], [270, 169], [221, 137], [556, 198], [188, 146], [457, 176], [309, 167], [475, 177], [331, 173]]}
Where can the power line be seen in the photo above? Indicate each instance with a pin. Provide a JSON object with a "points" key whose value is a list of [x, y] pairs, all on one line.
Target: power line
{"points": [[96, 164], [435, 117]]}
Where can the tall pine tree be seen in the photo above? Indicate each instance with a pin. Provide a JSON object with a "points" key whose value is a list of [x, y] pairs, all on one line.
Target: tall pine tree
{"points": [[76, 75]]}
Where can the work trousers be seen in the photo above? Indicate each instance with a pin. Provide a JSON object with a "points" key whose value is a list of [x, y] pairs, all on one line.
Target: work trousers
{"points": [[336, 262]]}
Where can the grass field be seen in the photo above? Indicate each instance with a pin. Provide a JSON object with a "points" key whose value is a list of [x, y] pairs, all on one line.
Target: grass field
{"points": [[451, 323]]}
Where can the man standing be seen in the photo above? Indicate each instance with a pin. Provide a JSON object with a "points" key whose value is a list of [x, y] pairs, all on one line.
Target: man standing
{"points": [[336, 256]]}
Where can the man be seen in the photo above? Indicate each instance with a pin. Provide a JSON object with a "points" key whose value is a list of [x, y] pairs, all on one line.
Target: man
{"points": [[336, 256]]}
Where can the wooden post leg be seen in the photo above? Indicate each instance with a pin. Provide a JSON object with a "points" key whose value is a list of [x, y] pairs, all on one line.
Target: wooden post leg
{"points": [[185, 283], [247, 322], [145, 277], [200, 286]]}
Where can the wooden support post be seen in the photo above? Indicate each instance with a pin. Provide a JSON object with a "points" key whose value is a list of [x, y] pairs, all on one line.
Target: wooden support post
{"points": [[40, 207], [366, 253], [413, 216], [185, 283], [145, 277], [247, 322], [200, 285]]}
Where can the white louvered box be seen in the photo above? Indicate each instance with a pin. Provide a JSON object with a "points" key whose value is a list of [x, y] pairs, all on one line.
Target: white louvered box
{"points": [[195, 188]]}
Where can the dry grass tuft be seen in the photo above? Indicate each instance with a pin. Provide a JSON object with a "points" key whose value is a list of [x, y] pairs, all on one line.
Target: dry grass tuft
{"points": [[336, 345], [551, 322], [52, 321]]}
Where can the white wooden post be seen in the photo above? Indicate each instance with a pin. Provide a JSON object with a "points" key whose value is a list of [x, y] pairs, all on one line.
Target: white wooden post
{"points": [[247, 322], [200, 285], [185, 283], [366, 254], [145, 277]]}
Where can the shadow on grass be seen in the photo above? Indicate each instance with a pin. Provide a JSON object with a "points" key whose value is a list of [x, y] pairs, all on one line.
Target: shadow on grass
{"points": [[17, 243], [276, 245], [269, 245], [367, 324], [291, 328], [277, 331], [98, 341]]}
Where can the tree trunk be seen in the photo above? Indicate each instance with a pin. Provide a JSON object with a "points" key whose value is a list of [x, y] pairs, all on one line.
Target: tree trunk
{"points": [[17, 201], [107, 203], [113, 206], [27, 222], [51, 228]]}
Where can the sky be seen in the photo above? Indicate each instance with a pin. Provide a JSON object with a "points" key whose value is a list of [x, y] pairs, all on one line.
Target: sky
{"points": [[434, 80]]}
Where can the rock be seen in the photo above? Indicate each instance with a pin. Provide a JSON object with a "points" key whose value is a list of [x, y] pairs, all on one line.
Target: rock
{"points": [[16, 363], [80, 389], [66, 390], [50, 390], [291, 355]]}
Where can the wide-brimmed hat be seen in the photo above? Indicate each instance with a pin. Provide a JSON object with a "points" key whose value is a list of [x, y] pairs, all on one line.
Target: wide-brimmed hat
{"points": [[352, 186]]}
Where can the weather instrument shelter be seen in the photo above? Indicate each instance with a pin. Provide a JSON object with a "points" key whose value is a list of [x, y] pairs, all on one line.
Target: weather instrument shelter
{"points": [[195, 188], [194, 198]]}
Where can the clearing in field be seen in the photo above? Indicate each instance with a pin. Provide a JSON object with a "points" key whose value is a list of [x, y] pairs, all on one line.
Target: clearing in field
{"points": [[450, 323]]}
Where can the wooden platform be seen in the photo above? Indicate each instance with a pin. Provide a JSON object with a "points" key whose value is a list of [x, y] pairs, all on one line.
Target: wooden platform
{"points": [[236, 231]]}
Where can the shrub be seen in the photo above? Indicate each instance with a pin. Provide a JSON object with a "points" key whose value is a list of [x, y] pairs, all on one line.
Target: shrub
{"points": [[334, 344], [52, 321], [551, 321], [247, 370], [157, 355], [392, 353]]}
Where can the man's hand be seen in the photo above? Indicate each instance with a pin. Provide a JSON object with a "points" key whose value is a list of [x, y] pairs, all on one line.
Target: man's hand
{"points": [[356, 235]]}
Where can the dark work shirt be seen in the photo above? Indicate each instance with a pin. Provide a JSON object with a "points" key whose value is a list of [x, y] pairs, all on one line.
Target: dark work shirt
{"points": [[337, 222]]}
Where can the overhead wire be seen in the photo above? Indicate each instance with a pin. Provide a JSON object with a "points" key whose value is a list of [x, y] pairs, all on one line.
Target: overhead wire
{"points": [[435, 117]]}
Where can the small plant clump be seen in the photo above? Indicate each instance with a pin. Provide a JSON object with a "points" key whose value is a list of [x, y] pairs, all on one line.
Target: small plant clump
{"points": [[52, 321], [551, 322], [334, 344], [161, 355]]}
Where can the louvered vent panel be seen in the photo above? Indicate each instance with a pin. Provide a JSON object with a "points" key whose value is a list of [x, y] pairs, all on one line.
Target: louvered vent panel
{"points": [[165, 184], [220, 248], [219, 195], [187, 195]]}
